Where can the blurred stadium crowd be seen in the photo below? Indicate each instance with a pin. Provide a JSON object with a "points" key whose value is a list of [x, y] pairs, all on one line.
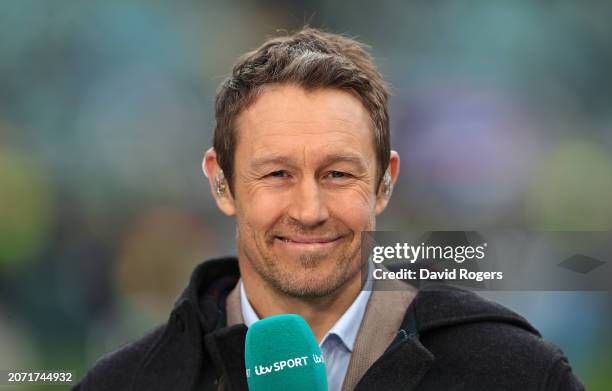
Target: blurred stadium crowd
{"points": [[501, 112]]}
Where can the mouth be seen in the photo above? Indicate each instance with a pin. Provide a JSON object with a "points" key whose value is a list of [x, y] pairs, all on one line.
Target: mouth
{"points": [[307, 243]]}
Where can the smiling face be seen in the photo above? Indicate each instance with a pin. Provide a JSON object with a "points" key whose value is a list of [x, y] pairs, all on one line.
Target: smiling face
{"points": [[304, 189]]}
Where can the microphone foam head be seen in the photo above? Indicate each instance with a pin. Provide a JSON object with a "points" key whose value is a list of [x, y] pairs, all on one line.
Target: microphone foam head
{"points": [[281, 353]]}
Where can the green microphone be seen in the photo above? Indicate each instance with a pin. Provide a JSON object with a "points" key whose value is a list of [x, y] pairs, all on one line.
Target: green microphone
{"points": [[281, 353]]}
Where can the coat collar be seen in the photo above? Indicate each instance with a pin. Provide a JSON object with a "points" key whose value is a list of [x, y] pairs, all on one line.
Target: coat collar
{"points": [[379, 327], [232, 307], [208, 288], [443, 305]]}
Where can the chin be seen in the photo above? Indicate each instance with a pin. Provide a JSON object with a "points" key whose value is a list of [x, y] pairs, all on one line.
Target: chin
{"points": [[312, 283]]}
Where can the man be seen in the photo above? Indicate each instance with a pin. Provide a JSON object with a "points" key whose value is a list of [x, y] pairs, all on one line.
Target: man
{"points": [[302, 159]]}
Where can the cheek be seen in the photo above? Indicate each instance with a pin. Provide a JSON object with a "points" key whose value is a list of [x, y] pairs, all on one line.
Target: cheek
{"points": [[260, 210], [355, 207]]}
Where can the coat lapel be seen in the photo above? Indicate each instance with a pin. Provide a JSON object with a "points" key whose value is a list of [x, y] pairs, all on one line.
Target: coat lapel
{"points": [[232, 307], [226, 345], [382, 320]]}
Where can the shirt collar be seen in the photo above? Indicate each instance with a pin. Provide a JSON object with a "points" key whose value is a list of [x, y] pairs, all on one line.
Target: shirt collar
{"points": [[345, 328], [248, 313]]}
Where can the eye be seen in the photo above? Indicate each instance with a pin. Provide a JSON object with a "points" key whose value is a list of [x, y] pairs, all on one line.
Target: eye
{"points": [[338, 174], [278, 174]]}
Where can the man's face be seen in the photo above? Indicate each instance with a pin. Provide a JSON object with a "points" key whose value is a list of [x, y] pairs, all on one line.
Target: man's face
{"points": [[304, 188]]}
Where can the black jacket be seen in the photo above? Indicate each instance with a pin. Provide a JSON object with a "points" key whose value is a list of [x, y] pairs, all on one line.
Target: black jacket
{"points": [[450, 339]]}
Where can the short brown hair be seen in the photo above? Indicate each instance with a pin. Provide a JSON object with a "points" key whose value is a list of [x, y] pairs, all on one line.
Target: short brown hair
{"points": [[312, 59]]}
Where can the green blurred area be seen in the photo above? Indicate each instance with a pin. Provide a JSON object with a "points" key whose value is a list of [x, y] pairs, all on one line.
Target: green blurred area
{"points": [[501, 111]]}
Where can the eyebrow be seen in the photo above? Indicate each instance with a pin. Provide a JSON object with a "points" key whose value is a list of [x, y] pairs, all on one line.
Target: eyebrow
{"points": [[328, 160]]}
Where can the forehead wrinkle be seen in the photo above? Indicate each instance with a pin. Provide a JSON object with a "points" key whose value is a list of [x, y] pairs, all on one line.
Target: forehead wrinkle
{"points": [[265, 138], [287, 127]]}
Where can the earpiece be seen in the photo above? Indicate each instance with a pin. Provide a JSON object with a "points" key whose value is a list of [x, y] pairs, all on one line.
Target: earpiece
{"points": [[386, 187], [220, 184]]}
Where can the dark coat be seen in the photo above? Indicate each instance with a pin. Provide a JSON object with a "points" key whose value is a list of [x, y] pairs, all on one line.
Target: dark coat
{"points": [[450, 339]]}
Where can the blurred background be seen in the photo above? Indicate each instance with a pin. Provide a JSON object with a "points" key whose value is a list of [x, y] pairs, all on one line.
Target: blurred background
{"points": [[501, 112]]}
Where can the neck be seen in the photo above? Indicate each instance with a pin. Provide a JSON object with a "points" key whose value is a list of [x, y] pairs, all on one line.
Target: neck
{"points": [[320, 313]]}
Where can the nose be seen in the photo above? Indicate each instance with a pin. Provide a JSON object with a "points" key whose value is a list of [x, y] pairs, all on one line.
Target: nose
{"points": [[307, 204]]}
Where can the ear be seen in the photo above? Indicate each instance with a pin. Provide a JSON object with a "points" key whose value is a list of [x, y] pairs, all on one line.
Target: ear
{"points": [[382, 199], [212, 170]]}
